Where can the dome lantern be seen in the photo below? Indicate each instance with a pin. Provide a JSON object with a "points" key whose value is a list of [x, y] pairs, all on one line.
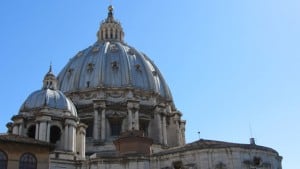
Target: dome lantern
{"points": [[50, 81], [110, 29]]}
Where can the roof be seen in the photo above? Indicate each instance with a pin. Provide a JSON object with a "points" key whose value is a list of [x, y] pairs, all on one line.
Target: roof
{"points": [[212, 144], [23, 140], [48, 98]]}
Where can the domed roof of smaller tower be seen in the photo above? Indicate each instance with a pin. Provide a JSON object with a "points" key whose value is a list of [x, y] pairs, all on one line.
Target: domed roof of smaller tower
{"points": [[49, 97]]}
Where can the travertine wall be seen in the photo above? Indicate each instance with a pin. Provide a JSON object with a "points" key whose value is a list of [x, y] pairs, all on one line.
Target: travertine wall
{"points": [[216, 158], [223, 158], [15, 150]]}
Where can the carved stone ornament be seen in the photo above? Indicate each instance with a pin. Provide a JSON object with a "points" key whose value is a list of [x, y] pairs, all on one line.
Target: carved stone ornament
{"points": [[113, 48], [70, 72], [90, 67], [96, 49], [114, 65], [138, 68], [116, 114], [130, 52], [116, 94]]}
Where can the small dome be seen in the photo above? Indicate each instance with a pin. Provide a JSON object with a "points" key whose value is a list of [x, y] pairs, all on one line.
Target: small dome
{"points": [[49, 97]]}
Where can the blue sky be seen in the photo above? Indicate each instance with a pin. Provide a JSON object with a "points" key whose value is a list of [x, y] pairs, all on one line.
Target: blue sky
{"points": [[229, 64]]}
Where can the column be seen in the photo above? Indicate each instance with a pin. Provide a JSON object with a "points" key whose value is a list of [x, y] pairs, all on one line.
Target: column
{"points": [[66, 140], [164, 126], [177, 123], [182, 126], [159, 128], [129, 119], [42, 130], [133, 115], [16, 129], [96, 125], [48, 131], [103, 133], [37, 130], [71, 141], [137, 123], [80, 140], [21, 129]]}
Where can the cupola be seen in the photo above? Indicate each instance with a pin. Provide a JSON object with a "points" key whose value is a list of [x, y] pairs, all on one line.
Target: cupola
{"points": [[110, 29], [50, 81]]}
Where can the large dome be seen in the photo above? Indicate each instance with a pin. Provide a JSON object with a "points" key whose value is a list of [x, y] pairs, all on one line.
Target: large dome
{"points": [[112, 64], [116, 88]]}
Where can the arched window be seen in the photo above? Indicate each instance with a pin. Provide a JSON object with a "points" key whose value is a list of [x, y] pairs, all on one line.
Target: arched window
{"points": [[111, 33], [116, 34], [54, 134], [31, 131], [3, 160], [28, 161], [106, 34]]}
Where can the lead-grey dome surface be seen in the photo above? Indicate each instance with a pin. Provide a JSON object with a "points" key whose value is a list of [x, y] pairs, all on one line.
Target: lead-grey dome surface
{"points": [[112, 64], [47, 98]]}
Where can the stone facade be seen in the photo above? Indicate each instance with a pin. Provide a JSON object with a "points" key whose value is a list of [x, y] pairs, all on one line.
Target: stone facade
{"points": [[110, 108], [14, 147]]}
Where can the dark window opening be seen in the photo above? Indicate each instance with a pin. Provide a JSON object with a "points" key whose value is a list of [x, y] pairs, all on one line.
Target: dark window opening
{"points": [[256, 161], [115, 126], [111, 34], [178, 165], [3, 160], [144, 126], [89, 130], [55, 134], [106, 34], [31, 131], [116, 33], [28, 161]]}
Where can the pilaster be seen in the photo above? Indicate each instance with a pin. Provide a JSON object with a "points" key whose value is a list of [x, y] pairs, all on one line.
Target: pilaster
{"points": [[133, 114], [99, 106]]}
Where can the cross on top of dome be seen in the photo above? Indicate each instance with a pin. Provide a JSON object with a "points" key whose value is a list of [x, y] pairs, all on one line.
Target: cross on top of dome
{"points": [[110, 16], [110, 29]]}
